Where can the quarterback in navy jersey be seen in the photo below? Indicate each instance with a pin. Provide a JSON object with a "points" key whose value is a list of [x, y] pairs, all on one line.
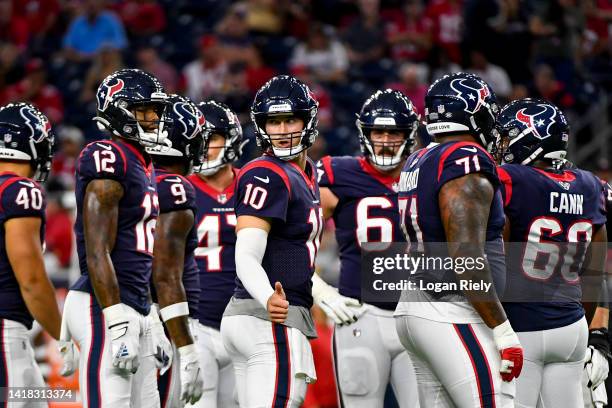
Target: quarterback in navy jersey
{"points": [[267, 323], [544, 203], [176, 289], [449, 194], [117, 206], [214, 181], [26, 293], [360, 194]]}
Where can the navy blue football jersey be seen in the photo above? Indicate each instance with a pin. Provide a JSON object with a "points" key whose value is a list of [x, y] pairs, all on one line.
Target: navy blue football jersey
{"points": [[423, 175], [544, 208], [216, 226], [19, 197], [132, 255], [367, 211], [176, 193], [281, 191]]}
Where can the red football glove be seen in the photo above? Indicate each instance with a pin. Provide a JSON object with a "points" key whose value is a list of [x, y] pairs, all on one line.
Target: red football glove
{"points": [[510, 350], [511, 363]]}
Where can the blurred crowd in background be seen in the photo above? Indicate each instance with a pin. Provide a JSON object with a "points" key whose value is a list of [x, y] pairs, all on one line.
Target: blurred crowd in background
{"points": [[54, 53]]}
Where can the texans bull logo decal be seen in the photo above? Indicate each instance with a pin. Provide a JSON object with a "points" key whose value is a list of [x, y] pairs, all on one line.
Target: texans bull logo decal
{"points": [[473, 93], [36, 123], [538, 119], [192, 122], [108, 90]]}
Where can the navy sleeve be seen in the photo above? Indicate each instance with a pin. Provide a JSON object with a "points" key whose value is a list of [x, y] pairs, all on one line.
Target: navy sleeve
{"points": [[462, 159], [23, 198], [175, 194], [605, 202], [101, 160], [325, 172], [263, 193]]}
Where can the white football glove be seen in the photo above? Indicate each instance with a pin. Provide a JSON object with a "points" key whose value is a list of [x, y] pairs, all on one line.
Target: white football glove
{"points": [[68, 351], [124, 330], [596, 367], [193, 327], [162, 347], [596, 361], [341, 309], [192, 383]]}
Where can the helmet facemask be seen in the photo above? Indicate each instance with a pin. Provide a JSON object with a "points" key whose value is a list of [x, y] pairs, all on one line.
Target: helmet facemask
{"points": [[390, 154], [149, 132], [298, 141]]}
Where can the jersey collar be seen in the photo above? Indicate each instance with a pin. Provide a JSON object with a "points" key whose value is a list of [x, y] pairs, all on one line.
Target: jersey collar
{"points": [[385, 179], [220, 196]]}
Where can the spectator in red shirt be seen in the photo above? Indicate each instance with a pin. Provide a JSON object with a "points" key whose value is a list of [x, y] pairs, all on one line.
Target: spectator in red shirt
{"points": [[546, 86], [71, 142], [13, 28], [58, 230], [409, 34], [149, 61], [322, 394], [447, 19], [35, 89], [142, 17], [413, 78], [40, 15]]}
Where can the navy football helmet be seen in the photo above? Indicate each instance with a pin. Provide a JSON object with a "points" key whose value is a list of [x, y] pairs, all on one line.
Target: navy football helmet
{"points": [[26, 135], [285, 95], [184, 126], [531, 129], [220, 119], [121, 92], [390, 110], [461, 103]]}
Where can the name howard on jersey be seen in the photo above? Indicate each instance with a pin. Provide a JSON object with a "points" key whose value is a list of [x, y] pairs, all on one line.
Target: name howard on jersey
{"points": [[409, 180], [566, 203]]}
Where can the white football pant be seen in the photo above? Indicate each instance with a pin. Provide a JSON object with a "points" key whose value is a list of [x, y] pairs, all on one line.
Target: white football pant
{"points": [[553, 366], [368, 355], [272, 362], [456, 365], [18, 367], [218, 372], [101, 384]]}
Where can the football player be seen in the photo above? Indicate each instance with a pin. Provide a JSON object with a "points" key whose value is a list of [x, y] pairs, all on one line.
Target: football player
{"points": [[267, 323], [545, 204], [462, 346], [361, 196], [26, 293], [216, 221], [175, 273], [117, 206]]}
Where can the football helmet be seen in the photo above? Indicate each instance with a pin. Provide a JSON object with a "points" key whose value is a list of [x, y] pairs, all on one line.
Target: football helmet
{"points": [[183, 125], [121, 92], [283, 95], [461, 103], [26, 135], [391, 110], [220, 119], [530, 129]]}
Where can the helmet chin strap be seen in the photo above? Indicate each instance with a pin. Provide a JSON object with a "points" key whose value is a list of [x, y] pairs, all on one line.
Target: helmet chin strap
{"points": [[210, 167]]}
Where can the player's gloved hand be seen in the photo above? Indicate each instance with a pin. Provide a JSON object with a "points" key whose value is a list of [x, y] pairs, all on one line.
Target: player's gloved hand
{"points": [[193, 327], [124, 331], [192, 382], [596, 362], [341, 309], [510, 349], [68, 351], [161, 345]]}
